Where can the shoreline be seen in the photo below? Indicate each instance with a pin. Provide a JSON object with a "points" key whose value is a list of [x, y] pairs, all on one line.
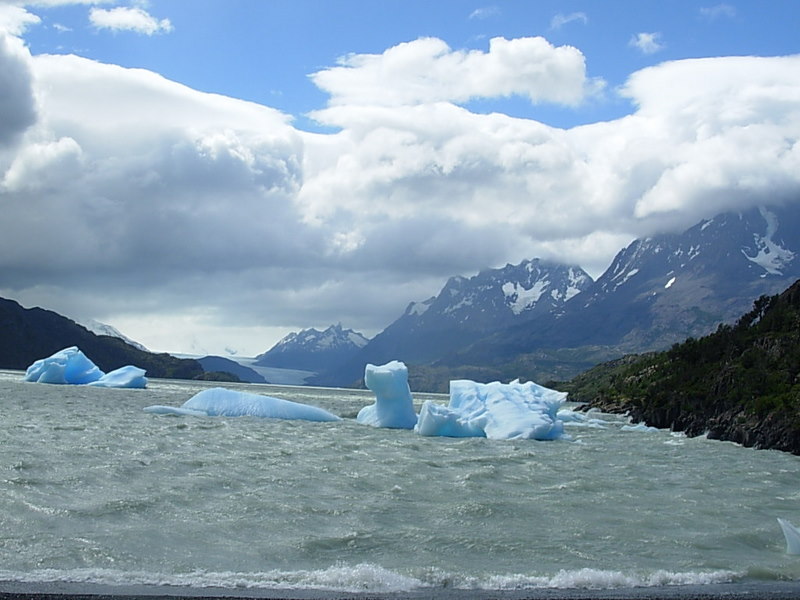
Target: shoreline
{"points": [[774, 590]]}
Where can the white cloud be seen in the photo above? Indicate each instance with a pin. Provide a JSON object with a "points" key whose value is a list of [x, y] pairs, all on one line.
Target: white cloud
{"points": [[130, 198], [17, 105], [718, 11], [15, 20], [427, 70], [485, 12], [128, 19], [648, 43], [560, 19]]}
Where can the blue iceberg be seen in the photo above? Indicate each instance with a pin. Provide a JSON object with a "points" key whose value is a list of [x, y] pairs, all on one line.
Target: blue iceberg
{"points": [[124, 377], [394, 406], [222, 402], [498, 411], [70, 366]]}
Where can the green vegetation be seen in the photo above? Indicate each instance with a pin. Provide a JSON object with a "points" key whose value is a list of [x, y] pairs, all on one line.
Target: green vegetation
{"points": [[741, 383]]}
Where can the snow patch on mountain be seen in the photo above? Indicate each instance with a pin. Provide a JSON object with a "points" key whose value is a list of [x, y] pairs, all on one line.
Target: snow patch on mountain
{"points": [[98, 328], [519, 298], [770, 256], [417, 309]]}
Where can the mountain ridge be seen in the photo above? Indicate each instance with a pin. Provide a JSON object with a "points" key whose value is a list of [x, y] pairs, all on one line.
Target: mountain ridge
{"points": [[660, 290], [465, 310], [312, 350], [29, 334]]}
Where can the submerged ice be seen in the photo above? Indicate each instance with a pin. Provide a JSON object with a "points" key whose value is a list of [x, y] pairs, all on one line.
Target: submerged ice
{"points": [[492, 410], [71, 366], [792, 536], [222, 402]]}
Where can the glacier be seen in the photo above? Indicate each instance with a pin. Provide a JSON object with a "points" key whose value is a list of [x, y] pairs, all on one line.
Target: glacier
{"points": [[394, 406], [222, 402], [499, 411], [71, 366]]}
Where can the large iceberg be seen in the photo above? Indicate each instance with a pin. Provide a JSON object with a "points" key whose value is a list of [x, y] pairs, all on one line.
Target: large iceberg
{"points": [[499, 411], [222, 402], [71, 366], [493, 410], [394, 407]]}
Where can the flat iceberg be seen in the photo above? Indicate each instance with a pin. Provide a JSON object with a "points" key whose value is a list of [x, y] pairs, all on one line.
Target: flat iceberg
{"points": [[498, 411], [222, 402], [394, 406], [640, 427], [124, 377], [70, 366]]}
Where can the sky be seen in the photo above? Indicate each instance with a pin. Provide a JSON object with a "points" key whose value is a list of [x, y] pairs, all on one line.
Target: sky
{"points": [[210, 175]]}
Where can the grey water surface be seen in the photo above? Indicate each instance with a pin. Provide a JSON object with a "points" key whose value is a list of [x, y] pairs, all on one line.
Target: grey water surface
{"points": [[95, 490]]}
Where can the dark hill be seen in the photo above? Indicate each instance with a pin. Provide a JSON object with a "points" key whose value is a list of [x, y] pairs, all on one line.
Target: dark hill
{"points": [[28, 334], [741, 383]]}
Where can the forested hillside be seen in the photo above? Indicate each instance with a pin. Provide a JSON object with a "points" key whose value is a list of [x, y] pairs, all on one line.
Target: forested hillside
{"points": [[741, 383]]}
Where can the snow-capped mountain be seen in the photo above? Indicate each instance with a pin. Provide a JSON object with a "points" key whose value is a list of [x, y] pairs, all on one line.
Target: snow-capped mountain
{"points": [[98, 328], [663, 289], [313, 350], [466, 310]]}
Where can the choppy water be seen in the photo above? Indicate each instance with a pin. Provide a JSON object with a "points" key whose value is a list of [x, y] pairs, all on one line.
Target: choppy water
{"points": [[93, 489]]}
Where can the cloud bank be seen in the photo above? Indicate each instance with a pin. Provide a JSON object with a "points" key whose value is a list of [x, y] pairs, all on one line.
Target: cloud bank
{"points": [[191, 216]]}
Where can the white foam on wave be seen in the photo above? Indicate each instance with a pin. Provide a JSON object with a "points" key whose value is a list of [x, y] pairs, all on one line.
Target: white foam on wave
{"points": [[366, 577], [604, 579], [340, 578]]}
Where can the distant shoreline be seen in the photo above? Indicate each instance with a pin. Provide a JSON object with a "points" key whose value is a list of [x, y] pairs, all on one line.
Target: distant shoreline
{"points": [[780, 590]]}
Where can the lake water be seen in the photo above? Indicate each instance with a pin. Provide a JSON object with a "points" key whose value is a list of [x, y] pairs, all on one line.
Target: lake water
{"points": [[95, 490]]}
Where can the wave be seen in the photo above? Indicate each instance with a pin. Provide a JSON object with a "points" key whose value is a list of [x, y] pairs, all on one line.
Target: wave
{"points": [[366, 577]]}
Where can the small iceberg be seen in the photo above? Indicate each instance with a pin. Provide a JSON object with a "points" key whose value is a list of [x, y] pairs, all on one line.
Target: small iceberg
{"points": [[792, 535], [222, 402], [394, 406], [640, 427], [70, 366]]}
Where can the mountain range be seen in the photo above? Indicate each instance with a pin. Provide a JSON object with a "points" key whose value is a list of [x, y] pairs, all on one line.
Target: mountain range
{"points": [[536, 320], [545, 321]]}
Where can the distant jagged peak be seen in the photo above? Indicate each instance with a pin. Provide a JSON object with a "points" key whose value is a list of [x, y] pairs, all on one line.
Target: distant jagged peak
{"points": [[515, 289], [332, 337]]}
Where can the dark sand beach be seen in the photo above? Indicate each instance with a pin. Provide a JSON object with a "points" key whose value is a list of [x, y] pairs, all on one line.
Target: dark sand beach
{"points": [[789, 590]]}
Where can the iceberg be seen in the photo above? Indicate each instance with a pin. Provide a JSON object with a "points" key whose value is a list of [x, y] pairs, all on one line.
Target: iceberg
{"points": [[124, 377], [493, 410], [70, 366], [499, 411], [394, 406], [792, 535], [222, 402], [640, 427]]}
